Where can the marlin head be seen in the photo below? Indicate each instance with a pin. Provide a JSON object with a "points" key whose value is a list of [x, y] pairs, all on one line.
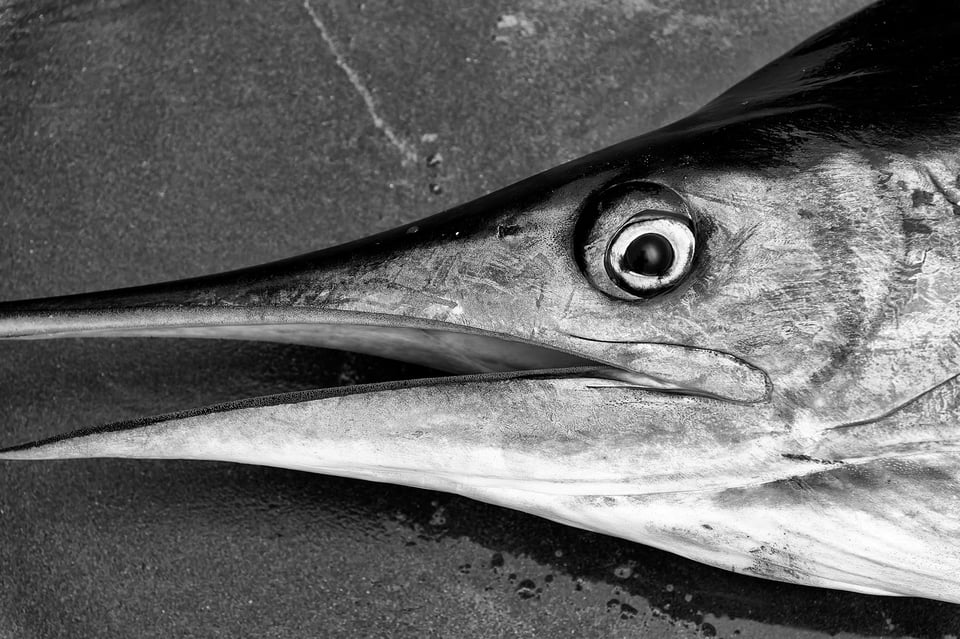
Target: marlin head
{"points": [[736, 338]]}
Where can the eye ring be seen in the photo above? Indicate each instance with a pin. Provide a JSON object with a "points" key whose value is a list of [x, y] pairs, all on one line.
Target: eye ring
{"points": [[636, 240], [650, 252]]}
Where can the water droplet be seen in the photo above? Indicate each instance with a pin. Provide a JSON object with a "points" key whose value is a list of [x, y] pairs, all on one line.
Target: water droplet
{"points": [[527, 589], [708, 630], [434, 159], [412, 229], [512, 576], [627, 611], [548, 579], [439, 517], [558, 553], [669, 588], [613, 605], [688, 597], [624, 571], [497, 560]]}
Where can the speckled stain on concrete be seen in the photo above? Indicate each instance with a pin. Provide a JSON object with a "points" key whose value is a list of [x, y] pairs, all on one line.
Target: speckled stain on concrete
{"points": [[152, 140]]}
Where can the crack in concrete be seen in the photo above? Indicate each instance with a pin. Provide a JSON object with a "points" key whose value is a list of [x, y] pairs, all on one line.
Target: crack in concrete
{"points": [[407, 150]]}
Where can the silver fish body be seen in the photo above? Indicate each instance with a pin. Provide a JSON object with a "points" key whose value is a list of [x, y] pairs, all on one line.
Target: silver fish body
{"points": [[787, 407]]}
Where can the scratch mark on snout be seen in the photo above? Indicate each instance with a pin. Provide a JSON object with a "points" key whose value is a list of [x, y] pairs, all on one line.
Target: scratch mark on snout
{"points": [[808, 458], [507, 230], [949, 193]]}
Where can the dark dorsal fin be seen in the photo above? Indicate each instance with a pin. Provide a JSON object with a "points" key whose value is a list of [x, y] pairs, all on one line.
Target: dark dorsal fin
{"points": [[894, 65]]}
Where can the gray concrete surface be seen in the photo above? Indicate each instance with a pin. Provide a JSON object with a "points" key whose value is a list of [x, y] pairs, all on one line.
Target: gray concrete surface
{"points": [[142, 141]]}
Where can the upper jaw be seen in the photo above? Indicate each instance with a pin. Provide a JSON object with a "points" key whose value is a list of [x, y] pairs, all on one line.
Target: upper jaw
{"points": [[455, 348], [447, 347]]}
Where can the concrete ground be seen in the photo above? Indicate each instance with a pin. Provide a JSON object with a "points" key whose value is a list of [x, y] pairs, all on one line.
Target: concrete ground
{"points": [[143, 141]]}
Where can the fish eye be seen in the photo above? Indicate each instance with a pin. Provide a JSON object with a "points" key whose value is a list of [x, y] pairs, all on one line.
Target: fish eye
{"points": [[639, 242], [650, 253]]}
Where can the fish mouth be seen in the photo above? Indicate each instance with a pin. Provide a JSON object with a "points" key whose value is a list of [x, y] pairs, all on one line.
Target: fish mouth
{"points": [[547, 410], [530, 403], [518, 410], [499, 426]]}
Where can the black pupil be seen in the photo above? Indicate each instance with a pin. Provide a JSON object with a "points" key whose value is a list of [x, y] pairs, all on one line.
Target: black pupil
{"points": [[650, 254]]}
